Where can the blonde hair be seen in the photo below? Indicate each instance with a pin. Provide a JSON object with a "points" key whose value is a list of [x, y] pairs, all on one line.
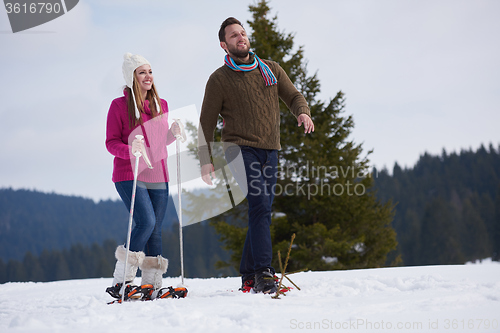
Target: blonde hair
{"points": [[151, 95]]}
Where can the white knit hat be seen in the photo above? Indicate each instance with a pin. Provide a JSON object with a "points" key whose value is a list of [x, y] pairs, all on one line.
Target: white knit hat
{"points": [[130, 63]]}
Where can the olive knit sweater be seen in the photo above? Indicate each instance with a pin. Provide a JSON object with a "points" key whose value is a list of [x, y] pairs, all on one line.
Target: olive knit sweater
{"points": [[250, 108]]}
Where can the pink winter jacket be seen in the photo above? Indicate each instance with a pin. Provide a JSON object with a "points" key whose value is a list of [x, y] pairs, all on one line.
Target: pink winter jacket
{"points": [[119, 139]]}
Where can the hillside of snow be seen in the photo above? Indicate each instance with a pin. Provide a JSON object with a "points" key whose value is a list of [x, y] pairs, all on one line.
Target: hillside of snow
{"points": [[464, 298]]}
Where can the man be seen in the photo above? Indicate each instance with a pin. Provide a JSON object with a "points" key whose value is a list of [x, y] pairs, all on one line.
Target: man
{"points": [[245, 92]]}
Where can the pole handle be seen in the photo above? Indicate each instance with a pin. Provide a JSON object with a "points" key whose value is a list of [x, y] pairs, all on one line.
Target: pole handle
{"points": [[182, 136], [143, 152]]}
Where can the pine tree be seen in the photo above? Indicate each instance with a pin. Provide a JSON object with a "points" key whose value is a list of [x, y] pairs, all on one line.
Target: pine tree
{"points": [[447, 206], [34, 272], [439, 243], [324, 192], [476, 242], [496, 228], [16, 271], [3, 272]]}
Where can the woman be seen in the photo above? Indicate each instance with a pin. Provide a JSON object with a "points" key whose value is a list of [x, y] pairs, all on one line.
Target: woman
{"points": [[140, 111]]}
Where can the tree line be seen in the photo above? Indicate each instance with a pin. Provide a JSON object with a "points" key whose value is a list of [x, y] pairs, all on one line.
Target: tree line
{"points": [[201, 252], [446, 211], [32, 221], [48, 236], [447, 207]]}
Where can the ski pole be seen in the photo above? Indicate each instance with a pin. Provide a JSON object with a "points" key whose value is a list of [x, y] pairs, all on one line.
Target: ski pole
{"points": [[137, 155], [180, 137]]}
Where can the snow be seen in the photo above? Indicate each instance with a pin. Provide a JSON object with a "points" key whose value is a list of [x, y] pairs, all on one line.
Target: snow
{"points": [[458, 298]]}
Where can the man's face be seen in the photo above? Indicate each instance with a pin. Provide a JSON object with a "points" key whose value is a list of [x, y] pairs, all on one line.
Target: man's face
{"points": [[237, 43]]}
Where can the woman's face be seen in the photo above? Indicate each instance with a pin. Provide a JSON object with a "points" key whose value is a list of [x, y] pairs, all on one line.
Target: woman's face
{"points": [[144, 77]]}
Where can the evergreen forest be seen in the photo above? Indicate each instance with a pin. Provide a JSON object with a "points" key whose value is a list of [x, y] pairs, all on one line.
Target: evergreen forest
{"points": [[446, 211], [447, 207], [47, 237]]}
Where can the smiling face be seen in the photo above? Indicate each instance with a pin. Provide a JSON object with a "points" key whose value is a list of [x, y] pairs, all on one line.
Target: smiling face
{"points": [[144, 77], [236, 42]]}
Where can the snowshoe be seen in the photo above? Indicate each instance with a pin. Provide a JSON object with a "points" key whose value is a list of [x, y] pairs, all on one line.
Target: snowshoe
{"points": [[142, 293], [247, 286], [171, 292], [132, 292], [284, 288], [115, 291], [146, 292], [265, 282]]}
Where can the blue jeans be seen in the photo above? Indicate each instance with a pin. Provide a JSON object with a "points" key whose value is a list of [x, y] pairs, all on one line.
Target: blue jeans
{"points": [[150, 206], [261, 166]]}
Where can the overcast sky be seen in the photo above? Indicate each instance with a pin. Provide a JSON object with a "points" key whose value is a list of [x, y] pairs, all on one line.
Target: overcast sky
{"points": [[419, 76]]}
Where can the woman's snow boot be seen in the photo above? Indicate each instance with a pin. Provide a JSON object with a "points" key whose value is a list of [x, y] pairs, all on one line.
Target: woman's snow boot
{"points": [[153, 269], [135, 259]]}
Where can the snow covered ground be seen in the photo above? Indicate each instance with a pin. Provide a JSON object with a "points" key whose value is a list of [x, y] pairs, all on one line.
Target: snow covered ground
{"points": [[463, 298]]}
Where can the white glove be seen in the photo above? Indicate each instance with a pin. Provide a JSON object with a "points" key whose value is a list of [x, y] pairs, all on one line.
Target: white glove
{"points": [[137, 146], [138, 149], [180, 135]]}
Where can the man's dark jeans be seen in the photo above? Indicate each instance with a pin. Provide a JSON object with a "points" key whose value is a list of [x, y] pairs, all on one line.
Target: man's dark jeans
{"points": [[261, 166]]}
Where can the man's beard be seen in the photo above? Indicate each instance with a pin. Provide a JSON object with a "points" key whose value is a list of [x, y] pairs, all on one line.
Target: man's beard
{"points": [[238, 53]]}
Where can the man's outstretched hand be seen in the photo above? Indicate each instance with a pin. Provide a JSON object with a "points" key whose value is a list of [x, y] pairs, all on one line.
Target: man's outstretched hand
{"points": [[207, 170], [307, 121]]}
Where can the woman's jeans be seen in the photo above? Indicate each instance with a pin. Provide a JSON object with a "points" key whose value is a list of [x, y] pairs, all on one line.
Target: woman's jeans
{"points": [[261, 166], [149, 210]]}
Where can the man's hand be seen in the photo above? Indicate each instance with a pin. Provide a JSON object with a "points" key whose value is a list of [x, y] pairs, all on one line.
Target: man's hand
{"points": [[307, 121], [207, 170]]}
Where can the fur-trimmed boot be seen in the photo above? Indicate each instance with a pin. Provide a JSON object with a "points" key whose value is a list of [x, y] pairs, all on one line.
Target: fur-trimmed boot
{"points": [[135, 259], [153, 269]]}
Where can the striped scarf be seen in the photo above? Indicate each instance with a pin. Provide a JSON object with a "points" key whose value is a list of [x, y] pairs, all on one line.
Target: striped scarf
{"points": [[266, 72]]}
